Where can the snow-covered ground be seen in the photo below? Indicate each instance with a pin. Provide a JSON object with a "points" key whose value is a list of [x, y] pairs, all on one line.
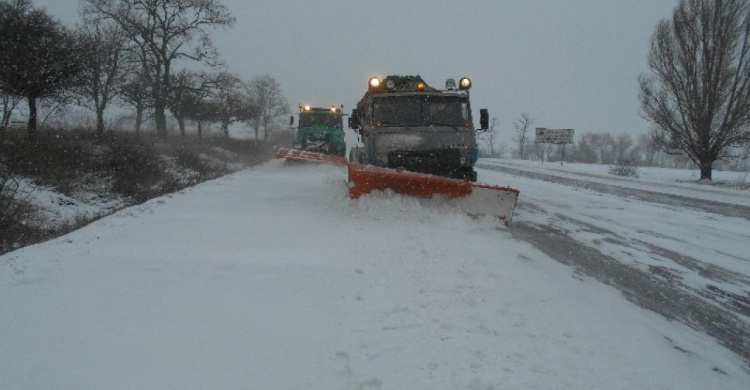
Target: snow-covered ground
{"points": [[630, 230], [272, 278], [54, 209], [726, 184], [648, 174]]}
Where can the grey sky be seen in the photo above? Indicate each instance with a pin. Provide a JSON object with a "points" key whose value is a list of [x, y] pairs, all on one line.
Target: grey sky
{"points": [[567, 63]]}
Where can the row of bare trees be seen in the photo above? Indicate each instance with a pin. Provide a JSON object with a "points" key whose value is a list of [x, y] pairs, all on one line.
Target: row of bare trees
{"points": [[131, 53], [593, 148]]}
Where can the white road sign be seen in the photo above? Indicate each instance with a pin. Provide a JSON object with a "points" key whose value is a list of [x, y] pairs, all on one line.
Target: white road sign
{"points": [[553, 136]]}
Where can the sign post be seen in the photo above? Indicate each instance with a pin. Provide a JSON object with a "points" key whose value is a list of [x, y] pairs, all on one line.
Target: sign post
{"points": [[554, 136]]}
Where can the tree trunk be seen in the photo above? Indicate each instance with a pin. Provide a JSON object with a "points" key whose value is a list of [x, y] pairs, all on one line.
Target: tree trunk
{"points": [[200, 129], [8, 106], [160, 117], [32, 116], [181, 123], [100, 121], [138, 119], [160, 101], [706, 168]]}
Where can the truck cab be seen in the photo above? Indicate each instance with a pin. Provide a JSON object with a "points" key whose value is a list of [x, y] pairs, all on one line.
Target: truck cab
{"points": [[403, 123], [320, 130]]}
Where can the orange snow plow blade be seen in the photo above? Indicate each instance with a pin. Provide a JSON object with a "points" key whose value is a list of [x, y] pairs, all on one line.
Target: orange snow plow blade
{"points": [[474, 199], [296, 155]]}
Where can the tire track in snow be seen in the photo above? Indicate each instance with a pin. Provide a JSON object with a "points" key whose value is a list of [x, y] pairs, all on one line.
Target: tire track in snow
{"points": [[713, 311], [643, 288]]}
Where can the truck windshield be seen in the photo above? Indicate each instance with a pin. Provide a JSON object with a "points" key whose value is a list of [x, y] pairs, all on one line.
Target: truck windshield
{"points": [[320, 119], [421, 111]]}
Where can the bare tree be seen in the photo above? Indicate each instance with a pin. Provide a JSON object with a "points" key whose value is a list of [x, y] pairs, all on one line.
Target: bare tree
{"points": [[646, 150], [201, 107], [187, 89], [231, 103], [135, 92], [699, 94], [622, 143], [204, 112], [585, 150], [265, 94], [105, 66], [164, 31], [522, 126], [38, 56], [604, 145]]}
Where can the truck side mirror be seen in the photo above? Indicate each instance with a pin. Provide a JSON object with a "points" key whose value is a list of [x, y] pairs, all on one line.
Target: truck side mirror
{"points": [[354, 120], [291, 120], [484, 119]]}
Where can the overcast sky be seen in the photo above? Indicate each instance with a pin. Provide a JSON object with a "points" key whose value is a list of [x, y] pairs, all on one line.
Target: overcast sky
{"points": [[571, 63]]}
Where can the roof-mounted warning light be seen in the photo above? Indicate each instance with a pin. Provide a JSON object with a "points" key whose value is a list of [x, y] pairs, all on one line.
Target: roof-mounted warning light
{"points": [[464, 83], [374, 83]]}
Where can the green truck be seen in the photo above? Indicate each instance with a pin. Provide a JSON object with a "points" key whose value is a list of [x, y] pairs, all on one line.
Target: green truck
{"points": [[320, 130]]}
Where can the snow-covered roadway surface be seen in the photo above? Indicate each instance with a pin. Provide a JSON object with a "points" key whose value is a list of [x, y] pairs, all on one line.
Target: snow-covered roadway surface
{"points": [[680, 249], [272, 278]]}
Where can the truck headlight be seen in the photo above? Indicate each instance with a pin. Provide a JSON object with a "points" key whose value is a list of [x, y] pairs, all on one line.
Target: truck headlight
{"points": [[464, 83], [464, 160]]}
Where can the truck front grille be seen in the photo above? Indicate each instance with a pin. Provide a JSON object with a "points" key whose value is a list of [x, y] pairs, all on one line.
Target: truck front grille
{"points": [[436, 162]]}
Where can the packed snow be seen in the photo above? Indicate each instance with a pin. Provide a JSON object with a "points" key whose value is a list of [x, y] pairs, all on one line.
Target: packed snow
{"points": [[272, 278], [630, 230]]}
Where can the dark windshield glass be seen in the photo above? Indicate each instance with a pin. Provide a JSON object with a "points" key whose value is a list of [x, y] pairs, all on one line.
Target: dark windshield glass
{"points": [[320, 119], [421, 111]]}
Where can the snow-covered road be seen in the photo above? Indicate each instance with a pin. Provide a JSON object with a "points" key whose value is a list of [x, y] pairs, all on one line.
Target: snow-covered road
{"points": [[273, 279], [678, 249]]}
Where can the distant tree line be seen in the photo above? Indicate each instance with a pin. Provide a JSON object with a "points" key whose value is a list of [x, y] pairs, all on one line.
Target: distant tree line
{"points": [[594, 148], [608, 149], [131, 53]]}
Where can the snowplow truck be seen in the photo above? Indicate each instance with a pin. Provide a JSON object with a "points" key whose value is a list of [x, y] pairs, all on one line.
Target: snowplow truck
{"points": [[319, 138], [320, 130], [421, 141], [403, 123]]}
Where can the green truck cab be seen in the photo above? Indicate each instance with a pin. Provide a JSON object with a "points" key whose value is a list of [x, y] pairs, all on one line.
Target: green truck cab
{"points": [[320, 130]]}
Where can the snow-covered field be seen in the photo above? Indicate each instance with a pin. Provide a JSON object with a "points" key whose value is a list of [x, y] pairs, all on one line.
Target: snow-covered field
{"points": [[272, 278]]}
